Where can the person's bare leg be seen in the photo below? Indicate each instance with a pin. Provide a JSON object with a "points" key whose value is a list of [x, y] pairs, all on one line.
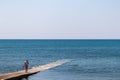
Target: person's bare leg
{"points": [[26, 70]]}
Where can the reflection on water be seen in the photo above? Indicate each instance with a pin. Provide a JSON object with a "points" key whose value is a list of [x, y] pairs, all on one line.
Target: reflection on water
{"points": [[26, 78]]}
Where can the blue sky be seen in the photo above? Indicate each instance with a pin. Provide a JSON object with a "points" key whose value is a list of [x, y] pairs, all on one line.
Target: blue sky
{"points": [[59, 19]]}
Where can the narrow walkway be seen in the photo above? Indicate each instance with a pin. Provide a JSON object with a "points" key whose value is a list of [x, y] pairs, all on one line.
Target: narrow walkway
{"points": [[34, 70]]}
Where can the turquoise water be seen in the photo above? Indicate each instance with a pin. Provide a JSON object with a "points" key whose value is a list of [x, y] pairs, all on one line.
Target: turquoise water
{"points": [[91, 59]]}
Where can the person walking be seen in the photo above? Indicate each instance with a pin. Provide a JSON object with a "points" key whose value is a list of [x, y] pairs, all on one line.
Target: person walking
{"points": [[26, 65]]}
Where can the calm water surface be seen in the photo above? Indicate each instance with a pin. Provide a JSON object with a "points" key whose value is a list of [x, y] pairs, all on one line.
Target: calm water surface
{"points": [[91, 59]]}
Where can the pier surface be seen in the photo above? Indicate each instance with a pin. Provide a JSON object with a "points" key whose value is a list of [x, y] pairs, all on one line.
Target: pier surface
{"points": [[20, 74]]}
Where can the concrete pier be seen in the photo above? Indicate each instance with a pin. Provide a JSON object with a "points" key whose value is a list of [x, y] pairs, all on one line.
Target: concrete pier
{"points": [[34, 70]]}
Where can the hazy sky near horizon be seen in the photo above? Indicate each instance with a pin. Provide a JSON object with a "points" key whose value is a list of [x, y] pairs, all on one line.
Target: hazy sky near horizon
{"points": [[60, 19]]}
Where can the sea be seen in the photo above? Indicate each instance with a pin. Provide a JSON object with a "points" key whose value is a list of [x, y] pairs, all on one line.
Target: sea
{"points": [[90, 59]]}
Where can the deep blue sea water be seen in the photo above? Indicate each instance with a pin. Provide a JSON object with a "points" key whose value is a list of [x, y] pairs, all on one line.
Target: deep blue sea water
{"points": [[91, 59]]}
